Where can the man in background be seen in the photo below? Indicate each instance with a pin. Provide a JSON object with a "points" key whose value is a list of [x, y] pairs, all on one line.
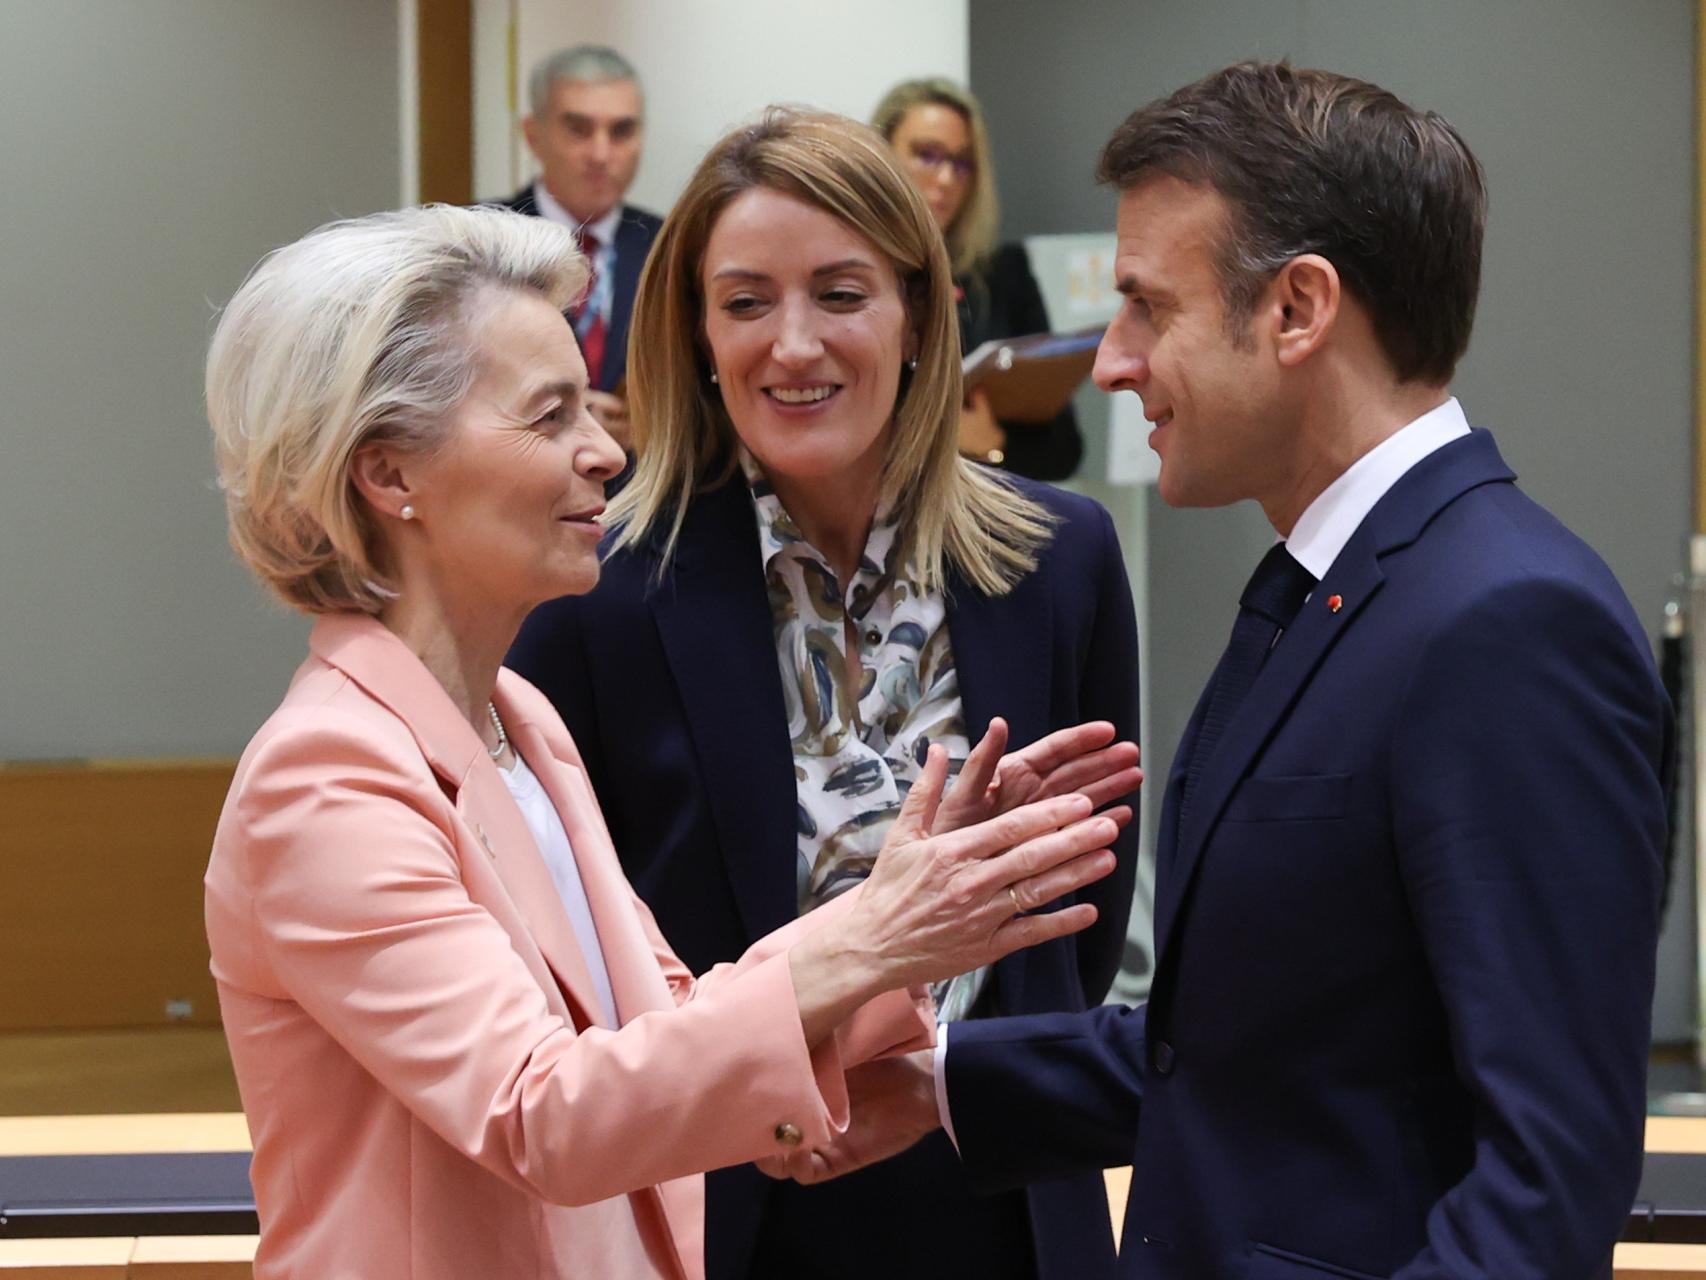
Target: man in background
{"points": [[585, 127]]}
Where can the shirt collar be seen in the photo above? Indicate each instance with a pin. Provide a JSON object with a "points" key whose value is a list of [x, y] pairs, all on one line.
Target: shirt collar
{"points": [[1328, 522], [777, 532], [603, 229]]}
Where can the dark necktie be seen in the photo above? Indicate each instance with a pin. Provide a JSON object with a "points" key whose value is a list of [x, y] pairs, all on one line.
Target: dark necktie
{"points": [[1269, 605], [589, 324]]}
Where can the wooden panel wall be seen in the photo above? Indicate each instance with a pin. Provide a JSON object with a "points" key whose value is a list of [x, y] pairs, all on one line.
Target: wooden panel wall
{"points": [[101, 918], [446, 67]]}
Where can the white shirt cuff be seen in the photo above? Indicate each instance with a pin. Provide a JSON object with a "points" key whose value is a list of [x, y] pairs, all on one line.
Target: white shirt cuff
{"points": [[941, 1067]]}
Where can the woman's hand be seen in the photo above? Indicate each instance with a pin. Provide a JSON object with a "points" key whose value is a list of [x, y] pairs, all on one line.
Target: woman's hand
{"points": [[939, 905], [1083, 759], [891, 1104], [981, 434]]}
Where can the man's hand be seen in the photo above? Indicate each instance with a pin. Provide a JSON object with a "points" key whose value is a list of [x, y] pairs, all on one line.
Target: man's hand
{"points": [[1084, 758], [892, 1104], [611, 411], [981, 433]]}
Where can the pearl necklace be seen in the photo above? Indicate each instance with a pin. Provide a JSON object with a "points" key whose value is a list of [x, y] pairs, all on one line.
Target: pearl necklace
{"points": [[503, 738]]}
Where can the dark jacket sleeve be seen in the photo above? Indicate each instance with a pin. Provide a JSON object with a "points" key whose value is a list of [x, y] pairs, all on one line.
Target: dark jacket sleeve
{"points": [[1045, 1096], [1533, 875], [1013, 308]]}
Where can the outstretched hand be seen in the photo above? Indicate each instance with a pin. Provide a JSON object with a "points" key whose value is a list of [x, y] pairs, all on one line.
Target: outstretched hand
{"points": [[1083, 759]]}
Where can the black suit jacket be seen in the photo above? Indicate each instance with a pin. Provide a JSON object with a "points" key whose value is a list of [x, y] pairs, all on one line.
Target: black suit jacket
{"points": [[1003, 301], [673, 694], [634, 236], [1405, 936]]}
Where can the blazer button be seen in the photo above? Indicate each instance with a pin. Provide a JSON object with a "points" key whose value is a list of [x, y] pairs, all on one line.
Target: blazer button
{"points": [[1162, 1057], [788, 1135]]}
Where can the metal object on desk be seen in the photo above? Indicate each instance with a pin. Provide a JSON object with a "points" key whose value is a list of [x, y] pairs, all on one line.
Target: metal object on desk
{"points": [[182, 1193], [1670, 1207]]}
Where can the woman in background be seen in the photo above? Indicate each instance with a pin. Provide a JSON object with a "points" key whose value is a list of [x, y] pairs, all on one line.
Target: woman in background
{"points": [[806, 590], [937, 130], [464, 1048]]}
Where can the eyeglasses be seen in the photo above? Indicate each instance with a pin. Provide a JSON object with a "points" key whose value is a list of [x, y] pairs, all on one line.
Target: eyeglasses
{"points": [[930, 159]]}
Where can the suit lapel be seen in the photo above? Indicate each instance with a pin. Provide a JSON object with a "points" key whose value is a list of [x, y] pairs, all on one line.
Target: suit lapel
{"points": [[485, 804], [1355, 578], [631, 245], [1004, 657], [1282, 678], [635, 978], [713, 617]]}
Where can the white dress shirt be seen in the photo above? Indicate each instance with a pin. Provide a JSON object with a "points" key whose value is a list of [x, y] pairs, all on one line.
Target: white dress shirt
{"points": [[1320, 533], [603, 262], [546, 825], [1328, 523]]}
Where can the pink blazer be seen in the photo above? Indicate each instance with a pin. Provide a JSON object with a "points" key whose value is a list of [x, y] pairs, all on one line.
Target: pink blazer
{"points": [[430, 1089]]}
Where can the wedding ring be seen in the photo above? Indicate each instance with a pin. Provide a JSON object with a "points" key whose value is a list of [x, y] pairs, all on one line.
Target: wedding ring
{"points": [[1014, 894]]}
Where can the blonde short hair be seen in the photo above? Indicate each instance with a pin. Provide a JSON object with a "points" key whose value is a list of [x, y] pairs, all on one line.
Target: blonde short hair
{"points": [[971, 236], [952, 511], [361, 332]]}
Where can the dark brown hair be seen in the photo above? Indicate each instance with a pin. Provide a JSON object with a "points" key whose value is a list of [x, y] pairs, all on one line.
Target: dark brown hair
{"points": [[1313, 162]]}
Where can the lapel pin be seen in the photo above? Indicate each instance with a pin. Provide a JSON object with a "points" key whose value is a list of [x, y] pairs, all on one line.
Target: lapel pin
{"points": [[1335, 603]]}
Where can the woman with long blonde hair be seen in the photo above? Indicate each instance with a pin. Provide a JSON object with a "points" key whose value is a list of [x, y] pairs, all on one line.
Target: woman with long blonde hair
{"points": [[807, 590]]}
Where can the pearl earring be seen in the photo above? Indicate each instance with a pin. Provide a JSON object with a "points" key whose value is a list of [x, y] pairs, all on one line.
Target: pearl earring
{"points": [[713, 377], [912, 364], [408, 511]]}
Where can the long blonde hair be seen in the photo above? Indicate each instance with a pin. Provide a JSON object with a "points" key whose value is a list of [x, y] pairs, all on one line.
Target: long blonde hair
{"points": [[952, 511], [971, 235]]}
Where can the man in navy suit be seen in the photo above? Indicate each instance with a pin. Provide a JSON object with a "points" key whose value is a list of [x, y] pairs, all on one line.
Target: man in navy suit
{"points": [[1409, 861], [586, 127]]}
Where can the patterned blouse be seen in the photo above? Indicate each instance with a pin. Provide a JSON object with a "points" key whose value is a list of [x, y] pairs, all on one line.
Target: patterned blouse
{"points": [[856, 752]]}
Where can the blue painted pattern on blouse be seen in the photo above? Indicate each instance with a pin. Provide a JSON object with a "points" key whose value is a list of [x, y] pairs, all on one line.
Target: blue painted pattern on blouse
{"points": [[857, 751]]}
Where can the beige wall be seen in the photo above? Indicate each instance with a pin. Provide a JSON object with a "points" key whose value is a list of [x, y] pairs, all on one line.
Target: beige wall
{"points": [[708, 66]]}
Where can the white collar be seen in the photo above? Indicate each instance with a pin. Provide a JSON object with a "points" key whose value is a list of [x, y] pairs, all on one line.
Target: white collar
{"points": [[603, 229], [1328, 522]]}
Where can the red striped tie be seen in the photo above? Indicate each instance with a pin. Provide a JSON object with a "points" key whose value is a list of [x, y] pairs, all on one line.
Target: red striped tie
{"points": [[590, 328]]}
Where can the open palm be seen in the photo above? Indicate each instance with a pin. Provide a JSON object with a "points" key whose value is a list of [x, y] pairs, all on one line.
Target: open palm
{"points": [[1084, 758]]}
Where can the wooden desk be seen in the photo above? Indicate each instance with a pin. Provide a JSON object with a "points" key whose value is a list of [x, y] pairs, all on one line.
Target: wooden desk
{"points": [[122, 1135], [130, 1258]]}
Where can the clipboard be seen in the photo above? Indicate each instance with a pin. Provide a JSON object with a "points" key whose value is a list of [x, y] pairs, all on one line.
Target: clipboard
{"points": [[1031, 379]]}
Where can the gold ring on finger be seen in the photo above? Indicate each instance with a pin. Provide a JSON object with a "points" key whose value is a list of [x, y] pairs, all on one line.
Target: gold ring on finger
{"points": [[1018, 907]]}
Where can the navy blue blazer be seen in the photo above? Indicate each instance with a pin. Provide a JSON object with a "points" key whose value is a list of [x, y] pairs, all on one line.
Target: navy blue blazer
{"points": [[1405, 941], [634, 236], [674, 696]]}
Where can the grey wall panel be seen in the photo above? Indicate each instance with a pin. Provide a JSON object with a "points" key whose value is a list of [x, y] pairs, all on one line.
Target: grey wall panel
{"points": [[153, 151]]}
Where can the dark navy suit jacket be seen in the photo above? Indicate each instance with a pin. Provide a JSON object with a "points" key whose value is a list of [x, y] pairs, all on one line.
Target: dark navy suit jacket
{"points": [[634, 236], [673, 694], [1405, 939]]}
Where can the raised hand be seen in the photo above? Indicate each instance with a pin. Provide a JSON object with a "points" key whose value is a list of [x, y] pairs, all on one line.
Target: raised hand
{"points": [[939, 905], [1083, 759]]}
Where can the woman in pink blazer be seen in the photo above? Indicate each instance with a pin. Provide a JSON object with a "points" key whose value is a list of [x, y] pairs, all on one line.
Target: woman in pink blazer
{"points": [[463, 1046]]}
